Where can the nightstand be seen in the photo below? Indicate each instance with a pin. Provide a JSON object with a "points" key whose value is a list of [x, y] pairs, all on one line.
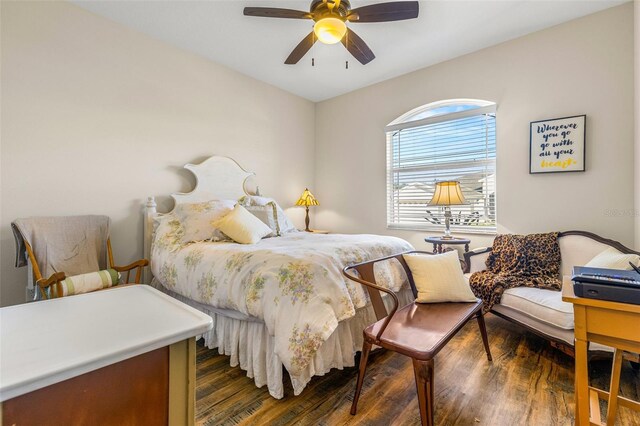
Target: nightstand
{"points": [[318, 231]]}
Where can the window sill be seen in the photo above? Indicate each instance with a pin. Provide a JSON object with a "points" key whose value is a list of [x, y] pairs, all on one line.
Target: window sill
{"points": [[454, 230]]}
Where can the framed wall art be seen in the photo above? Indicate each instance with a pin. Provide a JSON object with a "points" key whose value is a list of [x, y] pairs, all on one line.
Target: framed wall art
{"points": [[557, 145]]}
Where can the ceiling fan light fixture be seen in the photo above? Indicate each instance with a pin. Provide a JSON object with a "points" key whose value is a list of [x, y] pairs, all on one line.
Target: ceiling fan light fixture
{"points": [[330, 30], [331, 17]]}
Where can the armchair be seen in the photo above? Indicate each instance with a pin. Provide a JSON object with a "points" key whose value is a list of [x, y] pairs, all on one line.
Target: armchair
{"points": [[56, 248]]}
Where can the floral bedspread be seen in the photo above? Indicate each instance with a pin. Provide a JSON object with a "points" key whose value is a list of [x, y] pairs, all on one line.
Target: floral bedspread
{"points": [[294, 283]]}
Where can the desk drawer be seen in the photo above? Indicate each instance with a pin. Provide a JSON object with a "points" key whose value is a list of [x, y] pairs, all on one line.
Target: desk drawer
{"points": [[615, 324]]}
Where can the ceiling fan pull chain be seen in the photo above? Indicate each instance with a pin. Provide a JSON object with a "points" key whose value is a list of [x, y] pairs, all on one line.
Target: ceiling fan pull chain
{"points": [[346, 36], [313, 48]]}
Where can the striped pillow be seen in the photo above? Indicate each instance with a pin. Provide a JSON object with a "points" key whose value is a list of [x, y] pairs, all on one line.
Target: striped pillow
{"points": [[268, 215], [86, 283], [284, 223]]}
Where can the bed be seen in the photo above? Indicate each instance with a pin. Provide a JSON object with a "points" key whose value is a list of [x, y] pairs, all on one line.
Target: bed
{"points": [[282, 302]]}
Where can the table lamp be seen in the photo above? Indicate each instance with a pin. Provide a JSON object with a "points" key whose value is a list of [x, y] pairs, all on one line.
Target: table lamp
{"points": [[307, 199], [447, 193]]}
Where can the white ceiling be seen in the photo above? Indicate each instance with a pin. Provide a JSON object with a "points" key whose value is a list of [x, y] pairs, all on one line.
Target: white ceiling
{"points": [[258, 47]]}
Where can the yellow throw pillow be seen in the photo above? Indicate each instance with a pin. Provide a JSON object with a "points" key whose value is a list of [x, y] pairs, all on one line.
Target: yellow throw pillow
{"points": [[614, 259], [242, 226], [439, 278]]}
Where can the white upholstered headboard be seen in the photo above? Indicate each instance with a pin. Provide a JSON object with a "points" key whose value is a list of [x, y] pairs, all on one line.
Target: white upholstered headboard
{"points": [[217, 178]]}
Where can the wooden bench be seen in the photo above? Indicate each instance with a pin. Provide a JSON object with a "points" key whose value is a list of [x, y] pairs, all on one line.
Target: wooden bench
{"points": [[418, 330]]}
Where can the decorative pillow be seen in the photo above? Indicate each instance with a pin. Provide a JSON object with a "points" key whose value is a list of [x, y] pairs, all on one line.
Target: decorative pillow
{"points": [[169, 233], [284, 223], [439, 278], [86, 283], [614, 259], [197, 220], [242, 226], [268, 215], [254, 200]]}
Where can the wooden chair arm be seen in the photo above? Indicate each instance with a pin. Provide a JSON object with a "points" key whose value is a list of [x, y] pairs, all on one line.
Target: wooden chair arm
{"points": [[394, 298], [128, 268], [137, 264], [55, 278], [468, 255]]}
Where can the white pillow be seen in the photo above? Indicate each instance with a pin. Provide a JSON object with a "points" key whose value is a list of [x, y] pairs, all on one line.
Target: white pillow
{"points": [[268, 215], [614, 259], [439, 278], [254, 200], [242, 226], [197, 219], [284, 223]]}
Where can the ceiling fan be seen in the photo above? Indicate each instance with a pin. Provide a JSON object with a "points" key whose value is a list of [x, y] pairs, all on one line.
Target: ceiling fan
{"points": [[331, 17]]}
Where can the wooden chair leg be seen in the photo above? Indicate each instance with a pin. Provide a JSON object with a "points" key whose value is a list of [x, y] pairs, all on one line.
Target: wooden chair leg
{"points": [[614, 387], [366, 348], [483, 332], [423, 372], [430, 394]]}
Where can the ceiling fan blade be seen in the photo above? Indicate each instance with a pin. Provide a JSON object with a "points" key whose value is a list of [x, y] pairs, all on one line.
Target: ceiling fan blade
{"points": [[274, 12], [301, 49], [384, 12], [357, 47]]}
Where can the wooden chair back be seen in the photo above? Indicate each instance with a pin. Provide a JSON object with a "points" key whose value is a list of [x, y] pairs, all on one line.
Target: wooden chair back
{"points": [[366, 277]]}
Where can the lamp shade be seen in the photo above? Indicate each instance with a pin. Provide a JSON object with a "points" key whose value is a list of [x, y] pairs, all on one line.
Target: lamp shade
{"points": [[307, 199], [447, 193]]}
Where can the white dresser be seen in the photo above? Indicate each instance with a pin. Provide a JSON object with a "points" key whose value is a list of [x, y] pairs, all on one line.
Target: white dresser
{"points": [[120, 356]]}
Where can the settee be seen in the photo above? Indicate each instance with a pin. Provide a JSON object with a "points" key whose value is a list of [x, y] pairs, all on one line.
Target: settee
{"points": [[542, 311]]}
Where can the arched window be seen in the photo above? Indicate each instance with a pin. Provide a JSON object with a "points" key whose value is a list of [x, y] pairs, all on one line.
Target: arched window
{"points": [[443, 141]]}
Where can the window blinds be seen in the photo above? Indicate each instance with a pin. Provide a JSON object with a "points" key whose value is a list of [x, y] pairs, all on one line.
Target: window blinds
{"points": [[457, 146]]}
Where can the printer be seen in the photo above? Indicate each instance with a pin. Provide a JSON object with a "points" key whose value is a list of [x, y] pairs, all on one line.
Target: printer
{"points": [[607, 284]]}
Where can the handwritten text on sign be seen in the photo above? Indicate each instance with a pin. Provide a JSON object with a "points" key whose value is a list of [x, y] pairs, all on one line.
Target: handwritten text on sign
{"points": [[557, 145]]}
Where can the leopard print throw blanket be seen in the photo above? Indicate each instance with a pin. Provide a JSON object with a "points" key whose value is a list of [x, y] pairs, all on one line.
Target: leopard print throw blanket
{"points": [[518, 260]]}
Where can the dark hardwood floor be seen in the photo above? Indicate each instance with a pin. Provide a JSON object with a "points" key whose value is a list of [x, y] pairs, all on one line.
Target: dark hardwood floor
{"points": [[528, 383]]}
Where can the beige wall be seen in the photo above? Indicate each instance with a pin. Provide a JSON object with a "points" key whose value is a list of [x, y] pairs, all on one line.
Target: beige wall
{"points": [[96, 117], [581, 67]]}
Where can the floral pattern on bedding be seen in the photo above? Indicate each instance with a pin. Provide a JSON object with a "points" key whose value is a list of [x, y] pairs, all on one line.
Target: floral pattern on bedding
{"points": [[293, 283]]}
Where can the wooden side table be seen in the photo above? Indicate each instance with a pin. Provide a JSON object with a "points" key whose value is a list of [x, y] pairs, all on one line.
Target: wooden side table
{"points": [[439, 243], [609, 323]]}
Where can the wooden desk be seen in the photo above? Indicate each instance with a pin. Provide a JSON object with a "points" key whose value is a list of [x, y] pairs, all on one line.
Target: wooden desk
{"points": [[120, 356], [609, 323]]}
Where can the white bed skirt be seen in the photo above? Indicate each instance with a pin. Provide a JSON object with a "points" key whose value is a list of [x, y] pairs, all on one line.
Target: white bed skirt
{"points": [[249, 344]]}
